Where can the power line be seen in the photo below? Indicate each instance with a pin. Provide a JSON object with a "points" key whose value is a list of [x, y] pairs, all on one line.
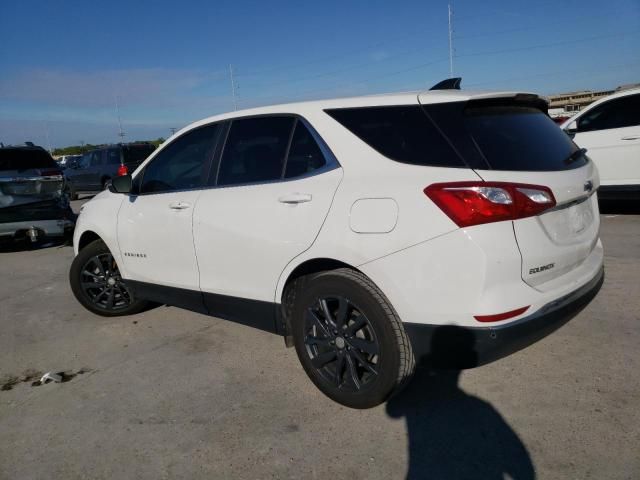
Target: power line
{"points": [[545, 45]]}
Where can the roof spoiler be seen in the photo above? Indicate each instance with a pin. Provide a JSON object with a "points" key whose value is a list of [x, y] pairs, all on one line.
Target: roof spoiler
{"points": [[448, 84]]}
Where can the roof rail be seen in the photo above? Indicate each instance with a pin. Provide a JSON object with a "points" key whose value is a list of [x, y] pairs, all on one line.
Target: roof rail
{"points": [[448, 84]]}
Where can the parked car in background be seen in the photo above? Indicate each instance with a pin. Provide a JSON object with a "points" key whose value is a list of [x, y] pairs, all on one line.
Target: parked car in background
{"points": [[32, 199], [96, 168], [610, 130], [373, 233], [66, 161]]}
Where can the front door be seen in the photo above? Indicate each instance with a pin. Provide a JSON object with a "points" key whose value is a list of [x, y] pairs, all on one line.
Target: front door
{"points": [[611, 134], [155, 225]]}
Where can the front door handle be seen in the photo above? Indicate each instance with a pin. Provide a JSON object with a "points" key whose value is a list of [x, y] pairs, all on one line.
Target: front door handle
{"points": [[179, 205], [632, 137], [295, 198]]}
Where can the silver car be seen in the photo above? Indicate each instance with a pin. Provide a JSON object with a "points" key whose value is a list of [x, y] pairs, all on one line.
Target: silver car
{"points": [[32, 199]]}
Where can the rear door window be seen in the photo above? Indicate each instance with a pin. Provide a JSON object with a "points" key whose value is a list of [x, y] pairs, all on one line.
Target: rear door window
{"points": [[136, 153], [305, 155], [402, 133], [255, 150], [113, 156]]}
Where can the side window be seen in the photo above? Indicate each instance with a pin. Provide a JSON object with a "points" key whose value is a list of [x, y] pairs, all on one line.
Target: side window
{"points": [[183, 164], [255, 150], [618, 113], [96, 158], [304, 154], [84, 160], [113, 156]]}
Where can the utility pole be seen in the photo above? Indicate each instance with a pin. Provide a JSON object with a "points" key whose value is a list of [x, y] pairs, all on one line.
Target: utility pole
{"points": [[450, 44], [173, 130], [233, 87], [121, 133], [46, 132]]}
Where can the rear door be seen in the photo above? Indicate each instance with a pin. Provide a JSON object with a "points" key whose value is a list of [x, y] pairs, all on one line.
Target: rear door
{"points": [[274, 186], [519, 143], [611, 133]]}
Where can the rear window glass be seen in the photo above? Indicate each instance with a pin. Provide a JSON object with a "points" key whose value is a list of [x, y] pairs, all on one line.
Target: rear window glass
{"points": [[520, 139], [136, 153], [401, 133], [25, 159]]}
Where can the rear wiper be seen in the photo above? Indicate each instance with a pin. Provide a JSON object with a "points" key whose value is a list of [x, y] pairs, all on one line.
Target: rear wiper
{"points": [[575, 155]]}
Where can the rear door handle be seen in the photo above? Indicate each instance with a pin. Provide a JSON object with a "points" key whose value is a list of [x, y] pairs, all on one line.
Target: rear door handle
{"points": [[294, 198], [632, 137], [179, 205]]}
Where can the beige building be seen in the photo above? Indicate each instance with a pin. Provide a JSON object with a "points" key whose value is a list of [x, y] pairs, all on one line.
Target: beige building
{"points": [[574, 101]]}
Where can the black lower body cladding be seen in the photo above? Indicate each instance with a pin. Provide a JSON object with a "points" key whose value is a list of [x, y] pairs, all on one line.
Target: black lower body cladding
{"points": [[450, 346]]}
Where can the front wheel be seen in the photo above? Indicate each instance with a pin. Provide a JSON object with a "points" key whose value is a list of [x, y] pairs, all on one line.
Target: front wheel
{"points": [[350, 340], [97, 284]]}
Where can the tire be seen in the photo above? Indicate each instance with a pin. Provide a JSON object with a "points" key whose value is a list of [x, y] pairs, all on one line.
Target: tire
{"points": [[110, 297], [370, 357]]}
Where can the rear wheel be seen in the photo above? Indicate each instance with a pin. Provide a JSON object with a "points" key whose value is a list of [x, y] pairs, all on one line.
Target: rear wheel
{"points": [[97, 284], [349, 339]]}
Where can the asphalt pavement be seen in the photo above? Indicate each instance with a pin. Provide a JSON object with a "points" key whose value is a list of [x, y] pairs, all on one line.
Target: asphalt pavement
{"points": [[174, 394]]}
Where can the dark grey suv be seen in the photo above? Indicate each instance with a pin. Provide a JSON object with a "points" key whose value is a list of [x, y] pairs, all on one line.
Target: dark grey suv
{"points": [[92, 172]]}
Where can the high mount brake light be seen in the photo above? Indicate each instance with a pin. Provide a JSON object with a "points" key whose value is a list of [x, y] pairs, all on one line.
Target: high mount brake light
{"points": [[122, 170], [475, 203]]}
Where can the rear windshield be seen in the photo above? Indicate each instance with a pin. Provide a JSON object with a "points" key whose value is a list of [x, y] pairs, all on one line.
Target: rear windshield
{"points": [[136, 153], [459, 134], [402, 133], [520, 138], [25, 159]]}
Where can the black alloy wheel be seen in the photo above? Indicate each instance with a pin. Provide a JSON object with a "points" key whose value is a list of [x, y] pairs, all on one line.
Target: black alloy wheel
{"points": [[348, 337], [341, 343], [98, 285], [103, 285]]}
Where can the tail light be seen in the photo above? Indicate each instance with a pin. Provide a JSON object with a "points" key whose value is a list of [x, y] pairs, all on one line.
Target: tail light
{"points": [[475, 203], [122, 170]]}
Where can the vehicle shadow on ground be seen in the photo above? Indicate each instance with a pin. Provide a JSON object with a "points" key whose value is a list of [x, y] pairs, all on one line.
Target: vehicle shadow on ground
{"points": [[454, 435], [619, 207], [25, 245]]}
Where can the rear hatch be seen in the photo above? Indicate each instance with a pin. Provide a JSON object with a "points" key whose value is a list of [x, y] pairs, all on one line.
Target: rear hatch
{"points": [[29, 176], [512, 139]]}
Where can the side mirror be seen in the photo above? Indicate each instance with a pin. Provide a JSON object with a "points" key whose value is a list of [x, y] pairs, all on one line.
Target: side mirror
{"points": [[572, 129], [121, 184]]}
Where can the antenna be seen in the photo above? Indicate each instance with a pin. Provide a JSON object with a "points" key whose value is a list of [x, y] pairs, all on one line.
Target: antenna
{"points": [[450, 43], [121, 133], [233, 87]]}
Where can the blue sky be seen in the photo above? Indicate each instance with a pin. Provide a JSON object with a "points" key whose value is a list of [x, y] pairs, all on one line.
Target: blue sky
{"points": [[63, 63]]}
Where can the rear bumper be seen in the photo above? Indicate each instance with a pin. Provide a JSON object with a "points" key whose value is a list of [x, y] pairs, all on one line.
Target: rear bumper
{"points": [[450, 346]]}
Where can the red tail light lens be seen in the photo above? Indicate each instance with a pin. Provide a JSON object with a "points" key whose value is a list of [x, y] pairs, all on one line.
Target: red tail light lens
{"points": [[122, 170], [501, 316], [475, 203]]}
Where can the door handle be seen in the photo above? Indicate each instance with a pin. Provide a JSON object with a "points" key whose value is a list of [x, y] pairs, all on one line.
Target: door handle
{"points": [[295, 198], [179, 205], [632, 137]]}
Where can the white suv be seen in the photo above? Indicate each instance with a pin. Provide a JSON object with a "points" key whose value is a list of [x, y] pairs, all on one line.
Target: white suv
{"points": [[610, 130], [447, 227]]}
